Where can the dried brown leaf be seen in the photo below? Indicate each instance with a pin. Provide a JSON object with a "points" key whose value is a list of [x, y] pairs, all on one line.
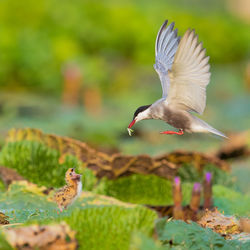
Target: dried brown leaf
{"points": [[3, 219], [50, 237], [237, 146], [224, 225], [8, 175]]}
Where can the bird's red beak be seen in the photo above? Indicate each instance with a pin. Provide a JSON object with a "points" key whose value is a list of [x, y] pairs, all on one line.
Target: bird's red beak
{"points": [[131, 124]]}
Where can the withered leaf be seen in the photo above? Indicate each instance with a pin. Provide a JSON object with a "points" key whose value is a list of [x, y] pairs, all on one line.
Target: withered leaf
{"points": [[3, 219], [224, 225], [49, 237]]}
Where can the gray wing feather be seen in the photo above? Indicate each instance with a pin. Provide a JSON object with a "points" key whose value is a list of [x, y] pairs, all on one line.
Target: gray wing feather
{"points": [[166, 46], [190, 75]]}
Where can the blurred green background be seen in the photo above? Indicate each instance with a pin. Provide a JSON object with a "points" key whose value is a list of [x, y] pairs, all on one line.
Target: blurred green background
{"points": [[80, 68]]}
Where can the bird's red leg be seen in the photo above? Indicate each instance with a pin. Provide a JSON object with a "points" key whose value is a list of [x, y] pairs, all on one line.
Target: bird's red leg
{"points": [[180, 132]]}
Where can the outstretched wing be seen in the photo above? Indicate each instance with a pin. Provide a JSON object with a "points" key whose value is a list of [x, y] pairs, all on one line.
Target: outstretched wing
{"points": [[189, 75], [165, 48]]}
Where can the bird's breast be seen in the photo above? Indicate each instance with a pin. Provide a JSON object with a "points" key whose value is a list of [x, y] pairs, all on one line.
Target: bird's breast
{"points": [[174, 117], [178, 119]]}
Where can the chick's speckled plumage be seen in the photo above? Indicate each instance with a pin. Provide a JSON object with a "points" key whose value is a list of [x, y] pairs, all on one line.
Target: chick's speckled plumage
{"points": [[68, 194]]}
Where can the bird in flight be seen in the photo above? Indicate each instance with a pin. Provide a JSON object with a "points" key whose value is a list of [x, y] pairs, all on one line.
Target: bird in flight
{"points": [[183, 69]]}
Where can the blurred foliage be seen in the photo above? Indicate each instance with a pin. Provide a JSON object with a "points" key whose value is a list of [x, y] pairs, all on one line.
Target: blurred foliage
{"points": [[42, 165], [142, 242], [180, 235], [153, 190], [190, 174], [23, 202], [4, 245], [112, 44], [143, 189], [101, 222], [109, 227], [2, 186], [107, 39], [231, 201], [139, 189], [241, 171], [111, 222], [37, 162], [88, 178]]}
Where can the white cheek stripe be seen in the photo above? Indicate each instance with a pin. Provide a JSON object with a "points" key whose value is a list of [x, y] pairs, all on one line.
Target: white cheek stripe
{"points": [[143, 115]]}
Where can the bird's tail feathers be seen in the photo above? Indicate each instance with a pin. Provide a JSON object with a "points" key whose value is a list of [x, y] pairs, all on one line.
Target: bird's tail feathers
{"points": [[201, 126]]}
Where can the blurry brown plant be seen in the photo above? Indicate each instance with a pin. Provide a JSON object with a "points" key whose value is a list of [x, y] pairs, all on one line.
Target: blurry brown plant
{"points": [[118, 165], [92, 101], [50, 237], [72, 85], [177, 196], [193, 211], [237, 146], [3, 219], [8, 175], [245, 225], [224, 225]]}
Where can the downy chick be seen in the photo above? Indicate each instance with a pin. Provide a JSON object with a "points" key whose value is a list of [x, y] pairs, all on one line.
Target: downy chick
{"points": [[66, 195]]}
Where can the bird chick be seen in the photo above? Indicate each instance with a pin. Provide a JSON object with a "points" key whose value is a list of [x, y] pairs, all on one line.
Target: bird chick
{"points": [[66, 195]]}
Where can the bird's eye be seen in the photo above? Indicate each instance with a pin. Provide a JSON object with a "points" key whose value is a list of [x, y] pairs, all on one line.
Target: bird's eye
{"points": [[70, 174]]}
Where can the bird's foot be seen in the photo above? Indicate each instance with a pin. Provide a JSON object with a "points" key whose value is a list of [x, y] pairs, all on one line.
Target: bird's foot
{"points": [[180, 132], [60, 210]]}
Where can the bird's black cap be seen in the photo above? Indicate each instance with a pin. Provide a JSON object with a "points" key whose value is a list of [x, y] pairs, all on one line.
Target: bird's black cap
{"points": [[141, 109]]}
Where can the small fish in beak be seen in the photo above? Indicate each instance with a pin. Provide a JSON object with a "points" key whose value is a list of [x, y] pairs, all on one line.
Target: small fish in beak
{"points": [[130, 131]]}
